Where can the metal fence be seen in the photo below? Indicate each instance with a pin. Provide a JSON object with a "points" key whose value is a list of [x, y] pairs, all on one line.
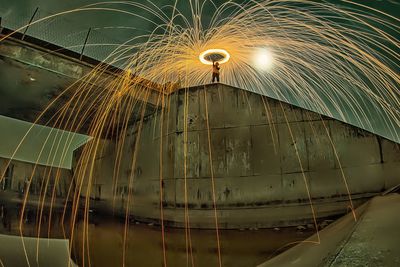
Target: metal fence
{"points": [[63, 31]]}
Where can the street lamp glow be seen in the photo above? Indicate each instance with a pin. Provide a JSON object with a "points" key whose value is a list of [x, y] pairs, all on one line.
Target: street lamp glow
{"points": [[263, 59]]}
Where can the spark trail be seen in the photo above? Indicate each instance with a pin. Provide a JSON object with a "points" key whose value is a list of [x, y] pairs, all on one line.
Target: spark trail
{"points": [[340, 61]]}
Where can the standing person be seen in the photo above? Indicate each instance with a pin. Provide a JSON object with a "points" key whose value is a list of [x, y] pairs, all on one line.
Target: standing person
{"points": [[215, 74]]}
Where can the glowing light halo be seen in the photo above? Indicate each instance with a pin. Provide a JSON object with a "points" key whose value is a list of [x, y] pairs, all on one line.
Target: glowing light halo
{"points": [[263, 59], [223, 52]]}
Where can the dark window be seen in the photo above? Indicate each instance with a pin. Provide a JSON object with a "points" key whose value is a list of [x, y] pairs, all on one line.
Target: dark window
{"points": [[6, 182], [50, 186]]}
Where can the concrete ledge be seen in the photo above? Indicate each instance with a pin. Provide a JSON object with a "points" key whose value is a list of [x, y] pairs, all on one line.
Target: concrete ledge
{"points": [[278, 215]]}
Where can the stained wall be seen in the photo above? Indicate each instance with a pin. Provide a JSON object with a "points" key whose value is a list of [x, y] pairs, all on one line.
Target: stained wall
{"points": [[271, 163]]}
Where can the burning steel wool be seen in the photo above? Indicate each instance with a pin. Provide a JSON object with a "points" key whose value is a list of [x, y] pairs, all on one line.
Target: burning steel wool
{"points": [[341, 61]]}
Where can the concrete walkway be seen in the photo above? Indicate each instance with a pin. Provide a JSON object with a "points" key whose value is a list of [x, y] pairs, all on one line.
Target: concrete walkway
{"points": [[374, 240], [52, 252]]}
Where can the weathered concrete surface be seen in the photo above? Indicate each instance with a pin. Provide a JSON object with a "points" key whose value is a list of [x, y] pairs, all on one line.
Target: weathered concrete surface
{"points": [[264, 153], [33, 76], [18, 175], [373, 240], [51, 252]]}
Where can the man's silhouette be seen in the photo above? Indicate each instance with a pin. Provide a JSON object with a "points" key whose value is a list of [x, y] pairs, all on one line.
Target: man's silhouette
{"points": [[215, 74]]}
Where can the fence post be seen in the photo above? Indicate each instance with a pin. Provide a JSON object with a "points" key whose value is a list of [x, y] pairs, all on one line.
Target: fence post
{"points": [[29, 24], [84, 45]]}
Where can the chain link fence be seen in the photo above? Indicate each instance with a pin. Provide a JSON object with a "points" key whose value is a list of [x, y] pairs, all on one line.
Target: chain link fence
{"points": [[63, 31]]}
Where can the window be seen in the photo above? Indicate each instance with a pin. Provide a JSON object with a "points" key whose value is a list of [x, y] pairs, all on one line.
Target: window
{"points": [[7, 179], [98, 192]]}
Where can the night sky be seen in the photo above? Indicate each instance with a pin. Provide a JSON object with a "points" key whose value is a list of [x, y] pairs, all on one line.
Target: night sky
{"points": [[70, 30]]}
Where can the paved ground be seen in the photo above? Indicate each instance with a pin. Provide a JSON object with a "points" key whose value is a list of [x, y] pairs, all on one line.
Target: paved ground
{"points": [[52, 252], [373, 240]]}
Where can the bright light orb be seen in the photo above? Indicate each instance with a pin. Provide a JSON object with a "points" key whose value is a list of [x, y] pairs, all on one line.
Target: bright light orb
{"points": [[205, 57], [263, 59]]}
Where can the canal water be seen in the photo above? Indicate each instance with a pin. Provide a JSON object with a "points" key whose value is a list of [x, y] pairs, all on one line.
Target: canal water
{"points": [[144, 242]]}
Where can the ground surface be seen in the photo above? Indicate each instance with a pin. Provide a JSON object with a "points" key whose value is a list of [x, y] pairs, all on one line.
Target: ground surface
{"points": [[373, 240]]}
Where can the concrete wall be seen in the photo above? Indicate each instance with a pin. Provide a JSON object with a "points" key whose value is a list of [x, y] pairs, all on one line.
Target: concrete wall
{"points": [[263, 154], [17, 176]]}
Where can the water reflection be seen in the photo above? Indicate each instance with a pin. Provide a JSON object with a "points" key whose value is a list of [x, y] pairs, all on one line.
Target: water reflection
{"points": [[51, 226], [105, 236]]}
